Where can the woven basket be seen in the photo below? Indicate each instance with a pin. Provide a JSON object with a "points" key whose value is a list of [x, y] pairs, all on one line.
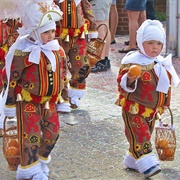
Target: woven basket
{"points": [[9, 134], [165, 139], [94, 48]]}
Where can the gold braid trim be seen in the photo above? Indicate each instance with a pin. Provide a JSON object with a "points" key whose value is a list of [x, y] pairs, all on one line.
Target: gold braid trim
{"points": [[143, 68], [20, 53]]}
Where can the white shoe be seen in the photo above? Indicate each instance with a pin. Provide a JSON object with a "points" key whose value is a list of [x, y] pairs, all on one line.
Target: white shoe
{"points": [[152, 171], [45, 169], [63, 107], [129, 162], [75, 95]]}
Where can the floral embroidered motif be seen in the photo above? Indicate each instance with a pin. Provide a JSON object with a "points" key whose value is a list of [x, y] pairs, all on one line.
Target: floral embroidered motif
{"points": [[82, 48], [146, 76], [30, 76], [12, 84], [137, 120], [78, 64], [30, 108], [34, 139], [31, 86], [48, 135], [32, 121], [47, 141], [138, 147], [146, 90], [15, 74], [142, 132], [78, 58], [147, 148]]}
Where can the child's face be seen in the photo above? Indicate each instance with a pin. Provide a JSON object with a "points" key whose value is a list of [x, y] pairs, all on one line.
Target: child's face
{"points": [[152, 48], [48, 36]]}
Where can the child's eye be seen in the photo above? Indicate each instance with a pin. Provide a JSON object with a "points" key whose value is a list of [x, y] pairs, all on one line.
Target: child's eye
{"points": [[149, 42]]}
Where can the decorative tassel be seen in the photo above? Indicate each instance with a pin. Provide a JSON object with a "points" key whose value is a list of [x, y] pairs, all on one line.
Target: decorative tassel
{"points": [[67, 38], [19, 97], [47, 105], [49, 67], [134, 110], [61, 100], [82, 35], [69, 65], [158, 116]]}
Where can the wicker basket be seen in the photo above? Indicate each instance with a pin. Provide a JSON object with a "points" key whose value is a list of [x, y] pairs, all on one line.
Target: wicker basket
{"points": [[165, 139], [9, 134], [94, 48]]}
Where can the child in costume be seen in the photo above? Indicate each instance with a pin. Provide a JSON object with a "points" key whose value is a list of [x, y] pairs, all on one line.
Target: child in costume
{"points": [[77, 22], [8, 35], [34, 83], [142, 97]]}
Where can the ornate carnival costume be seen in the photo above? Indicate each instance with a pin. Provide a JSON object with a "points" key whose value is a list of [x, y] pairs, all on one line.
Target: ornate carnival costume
{"points": [[77, 22], [148, 95], [34, 83], [8, 35]]}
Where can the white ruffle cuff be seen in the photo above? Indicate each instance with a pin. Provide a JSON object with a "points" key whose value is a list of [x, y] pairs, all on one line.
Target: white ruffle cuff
{"points": [[123, 84]]}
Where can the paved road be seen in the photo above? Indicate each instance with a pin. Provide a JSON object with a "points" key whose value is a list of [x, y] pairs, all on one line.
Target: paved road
{"points": [[92, 142]]}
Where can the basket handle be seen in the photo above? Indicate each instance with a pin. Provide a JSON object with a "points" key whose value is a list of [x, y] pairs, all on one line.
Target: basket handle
{"points": [[4, 126], [170, 112], [4, 123], [106, 30]]}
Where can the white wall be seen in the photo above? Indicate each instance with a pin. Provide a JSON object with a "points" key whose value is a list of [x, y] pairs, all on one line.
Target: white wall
{"points": [[172, 26]]}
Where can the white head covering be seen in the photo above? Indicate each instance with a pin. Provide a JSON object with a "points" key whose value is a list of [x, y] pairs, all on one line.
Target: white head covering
{"points": [[36, 34], [36, 47], [76, 2], [150, 30]]}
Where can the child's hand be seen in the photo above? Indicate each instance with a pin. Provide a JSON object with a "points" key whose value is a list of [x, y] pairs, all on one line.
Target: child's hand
{"points": [[131, 79]]}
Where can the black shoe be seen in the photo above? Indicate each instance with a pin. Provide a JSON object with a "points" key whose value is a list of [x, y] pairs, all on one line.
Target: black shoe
{"points": [[126, 51], [127, 43], [108, 64], [113, 42], [102, 65]]}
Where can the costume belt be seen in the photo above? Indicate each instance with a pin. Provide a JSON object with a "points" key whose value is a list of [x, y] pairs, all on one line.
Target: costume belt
{"points": [[29, 97], [73, 32]]}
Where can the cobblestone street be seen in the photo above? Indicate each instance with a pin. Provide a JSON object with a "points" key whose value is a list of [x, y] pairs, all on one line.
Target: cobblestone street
{"points": [[92, 143]]}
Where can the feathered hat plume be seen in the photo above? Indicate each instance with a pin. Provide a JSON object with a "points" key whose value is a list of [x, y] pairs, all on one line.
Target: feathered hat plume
{"points": [[33, 13], [10, 9]]}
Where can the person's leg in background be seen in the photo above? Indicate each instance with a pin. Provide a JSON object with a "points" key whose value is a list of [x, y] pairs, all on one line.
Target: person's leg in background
{"points": [[136, 12], [133, 17], [150, 11], [113, 21], [101, 11], [135, 20], [142, 17]]}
